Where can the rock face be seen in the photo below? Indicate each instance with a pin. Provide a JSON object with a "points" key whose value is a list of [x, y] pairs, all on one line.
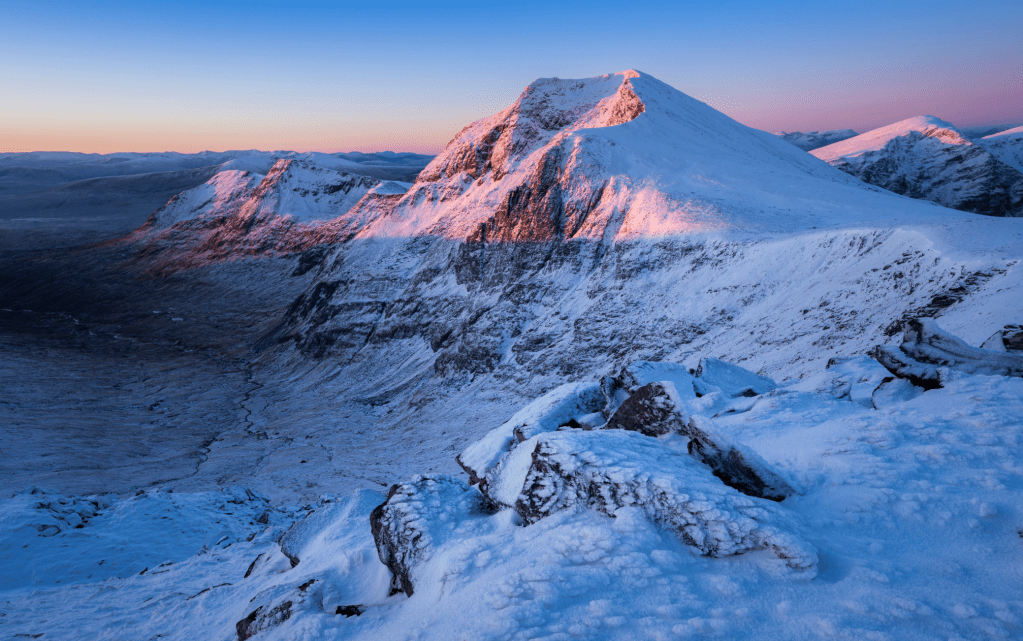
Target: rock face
{"points": [[608, 470], [654, 410], [816, 139], [416, 517], [926, 350], [927, 158], [737, 466]]}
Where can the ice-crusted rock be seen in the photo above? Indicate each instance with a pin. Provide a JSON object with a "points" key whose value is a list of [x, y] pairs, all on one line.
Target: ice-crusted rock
{"points": [[926, 349], [616, 389], [545, 414], [736, 465], [608, 470], [730, 379], [418, 516], [654, 409], [278, 604]]}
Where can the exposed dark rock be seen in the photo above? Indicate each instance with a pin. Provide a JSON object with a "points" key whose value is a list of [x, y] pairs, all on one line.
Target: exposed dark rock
{"points": [[416, 517], [1007, 339], [926, 349], [279, 604], [252, 566], [309, 259], [258, 620], [650, 410], [350, 610], [735, 465], [609, 470]]}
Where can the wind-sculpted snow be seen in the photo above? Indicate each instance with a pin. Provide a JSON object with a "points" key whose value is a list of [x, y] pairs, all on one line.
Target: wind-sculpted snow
{"points": [[816, 139], [545, 414], [927, 158]]}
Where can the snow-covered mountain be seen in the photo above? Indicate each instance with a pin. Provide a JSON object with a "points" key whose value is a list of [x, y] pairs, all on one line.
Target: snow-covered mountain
{"points": [[627, 316], [982, 131], [816, 139], [1007, 146], [239, 212], [927, 158]]}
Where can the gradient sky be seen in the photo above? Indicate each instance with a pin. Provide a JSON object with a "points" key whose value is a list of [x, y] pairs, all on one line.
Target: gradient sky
{"points": [[185, 76]]}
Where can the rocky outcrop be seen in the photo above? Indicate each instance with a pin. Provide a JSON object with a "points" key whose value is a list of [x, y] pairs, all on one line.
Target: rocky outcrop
{"points": [[1007, 339], [609, 470], [416, 517], [652, 410], [926, 351], [278, 605]]}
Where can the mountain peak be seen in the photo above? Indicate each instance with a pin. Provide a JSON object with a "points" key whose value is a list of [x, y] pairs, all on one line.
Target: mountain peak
{"points": [[875, 139]]}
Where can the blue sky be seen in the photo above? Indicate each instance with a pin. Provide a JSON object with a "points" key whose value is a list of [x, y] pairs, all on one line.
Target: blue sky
{"points": [[185, 76]]}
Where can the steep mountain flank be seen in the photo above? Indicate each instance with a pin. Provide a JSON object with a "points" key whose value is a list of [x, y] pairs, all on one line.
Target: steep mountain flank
{"points": [[927, 158]]}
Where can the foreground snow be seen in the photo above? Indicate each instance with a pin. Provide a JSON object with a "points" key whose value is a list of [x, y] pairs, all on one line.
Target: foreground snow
{"points": [[913, 509]]}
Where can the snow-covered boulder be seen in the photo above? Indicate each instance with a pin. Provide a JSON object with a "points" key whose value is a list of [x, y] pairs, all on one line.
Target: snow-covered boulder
{"points": [[418, 516], [730, 379], [926, 349], [545, 414], [608, 470], [654, 409], [736, 465]]}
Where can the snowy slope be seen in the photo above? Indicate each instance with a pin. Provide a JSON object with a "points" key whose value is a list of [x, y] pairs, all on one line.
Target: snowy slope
{"points": [[816, 139], [1007, 146], [913, 511], [926, 157]]}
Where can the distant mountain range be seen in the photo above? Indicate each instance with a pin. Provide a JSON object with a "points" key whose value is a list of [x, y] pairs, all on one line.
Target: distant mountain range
{"points": [[816, 139]]}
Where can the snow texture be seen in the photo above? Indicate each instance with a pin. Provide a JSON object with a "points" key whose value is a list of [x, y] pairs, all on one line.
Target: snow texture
{"points": [[545, 414]]}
